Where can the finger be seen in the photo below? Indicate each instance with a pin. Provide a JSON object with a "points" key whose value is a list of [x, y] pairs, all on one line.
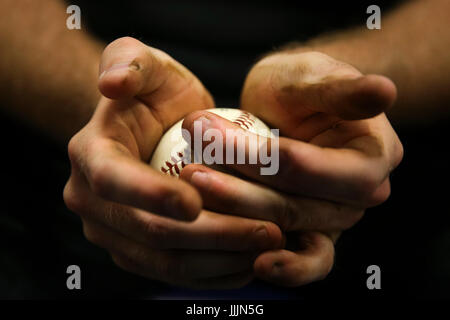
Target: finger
{"points": [[115, 175], [349, 175], [173, 266], [210, 231], [291, 269], [225, 193]]}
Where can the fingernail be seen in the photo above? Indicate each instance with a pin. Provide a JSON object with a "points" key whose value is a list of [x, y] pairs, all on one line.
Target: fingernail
{"points": [[262, 232], [116, 66], [204, 121], [200, 178]]}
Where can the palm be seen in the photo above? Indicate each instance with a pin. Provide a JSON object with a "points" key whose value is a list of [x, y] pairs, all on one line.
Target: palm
{"points": [[139, 121]]}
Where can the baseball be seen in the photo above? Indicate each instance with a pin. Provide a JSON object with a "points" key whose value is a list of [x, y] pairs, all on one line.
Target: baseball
{"points": [[173, 152]]}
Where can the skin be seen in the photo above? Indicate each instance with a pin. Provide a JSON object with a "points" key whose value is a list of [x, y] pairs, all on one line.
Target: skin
{"points": [[412, 44], [40, 84], [125, 205], [332, 166], [110, 149]]}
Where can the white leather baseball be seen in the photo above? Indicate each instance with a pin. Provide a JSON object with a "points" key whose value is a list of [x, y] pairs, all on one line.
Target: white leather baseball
{"points": [[173, 152]]}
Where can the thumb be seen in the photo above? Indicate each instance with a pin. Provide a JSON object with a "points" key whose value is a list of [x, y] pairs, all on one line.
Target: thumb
{"points": [[311, 82], [355, 98], [129, 68]]}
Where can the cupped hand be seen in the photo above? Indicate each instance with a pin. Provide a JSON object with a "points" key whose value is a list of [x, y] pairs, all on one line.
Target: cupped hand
{"points": [[335, 155], [152, 224]]}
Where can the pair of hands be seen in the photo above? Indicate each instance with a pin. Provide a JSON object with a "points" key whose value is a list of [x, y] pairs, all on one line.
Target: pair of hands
{"points": [[212, 230]]}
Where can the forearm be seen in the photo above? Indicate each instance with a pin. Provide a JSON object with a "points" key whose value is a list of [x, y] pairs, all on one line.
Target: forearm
{"points": [[411, 48], [48, 73]]}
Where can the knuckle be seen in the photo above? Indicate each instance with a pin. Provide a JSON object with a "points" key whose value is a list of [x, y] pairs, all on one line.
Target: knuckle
{"points": [[113, 215], [383, 194], [157, 233], [123, 262], [367, 186], [133, 260], [92, 235], [351, 218], [169, 269], [286, 215], [73, 201], [99, 179], [72, 148], [380, 195], [79, 144], [399, 152], [76, 151], [138, 256]]}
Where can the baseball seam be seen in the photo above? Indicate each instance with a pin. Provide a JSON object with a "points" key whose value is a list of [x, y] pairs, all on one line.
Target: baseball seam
{"points": [[174, 166]]}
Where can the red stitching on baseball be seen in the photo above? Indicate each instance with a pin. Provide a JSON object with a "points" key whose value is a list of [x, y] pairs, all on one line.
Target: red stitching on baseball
{"points": [[172, 165], [244, 120]]}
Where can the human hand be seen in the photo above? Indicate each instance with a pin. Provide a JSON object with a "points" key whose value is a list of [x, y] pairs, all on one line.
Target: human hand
{"points": [[332, 165], [126, 207]]}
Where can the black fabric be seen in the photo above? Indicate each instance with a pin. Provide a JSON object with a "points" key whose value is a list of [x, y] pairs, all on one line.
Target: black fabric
{"points": [[218, 41]]}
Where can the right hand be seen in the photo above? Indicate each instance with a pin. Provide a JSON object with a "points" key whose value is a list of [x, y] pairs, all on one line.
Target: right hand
{"points": [[153, 224], [336, 153]]}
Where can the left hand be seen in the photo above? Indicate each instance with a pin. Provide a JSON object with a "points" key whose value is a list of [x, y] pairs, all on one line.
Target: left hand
{"points": [[335, 158]]}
